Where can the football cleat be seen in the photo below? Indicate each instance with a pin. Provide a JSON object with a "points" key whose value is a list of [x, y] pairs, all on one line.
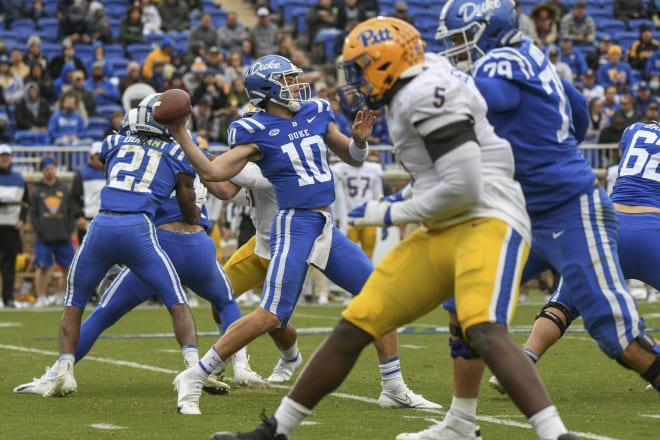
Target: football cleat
{"points": [[568, 436], [284, 370], [62, 385], [405, 399], [246, 376], [39, 385], [188, 384], [455, 429], [265, 431], [496, 385], [215, 385]]}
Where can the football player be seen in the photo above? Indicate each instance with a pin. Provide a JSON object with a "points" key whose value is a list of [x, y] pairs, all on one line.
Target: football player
{"points": [[574, 224], [476, 233], [142, 170], [289, 140]]}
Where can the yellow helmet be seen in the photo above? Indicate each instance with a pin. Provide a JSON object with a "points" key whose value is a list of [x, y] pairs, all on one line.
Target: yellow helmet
{"points": [[377, 53]]}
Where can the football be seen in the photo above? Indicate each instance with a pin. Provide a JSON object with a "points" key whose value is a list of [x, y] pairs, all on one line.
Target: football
{"points": [[172, 105]]}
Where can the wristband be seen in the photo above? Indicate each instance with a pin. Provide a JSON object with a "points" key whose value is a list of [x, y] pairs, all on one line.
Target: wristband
{"points": [[359, 154]]}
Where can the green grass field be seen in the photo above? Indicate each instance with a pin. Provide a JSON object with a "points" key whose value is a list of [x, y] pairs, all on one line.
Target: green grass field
{"points": [[124, 386]]}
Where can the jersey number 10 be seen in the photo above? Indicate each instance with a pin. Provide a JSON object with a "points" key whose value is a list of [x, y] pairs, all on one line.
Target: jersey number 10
{"points": [[314, 152]]}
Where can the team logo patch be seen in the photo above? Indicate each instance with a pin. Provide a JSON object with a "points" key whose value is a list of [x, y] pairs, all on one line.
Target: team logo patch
{"points": [[274, 132], [468, 11]]}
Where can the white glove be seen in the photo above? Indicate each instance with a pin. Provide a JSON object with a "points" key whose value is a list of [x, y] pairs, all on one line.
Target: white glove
{"points": [[200, 192], [374, 213]]}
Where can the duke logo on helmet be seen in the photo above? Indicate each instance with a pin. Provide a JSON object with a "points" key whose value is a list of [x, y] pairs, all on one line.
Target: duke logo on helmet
{"points": [[274, 78]]}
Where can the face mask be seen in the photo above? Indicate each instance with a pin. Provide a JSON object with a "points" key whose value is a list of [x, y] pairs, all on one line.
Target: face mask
{"points": [[655, 85]]}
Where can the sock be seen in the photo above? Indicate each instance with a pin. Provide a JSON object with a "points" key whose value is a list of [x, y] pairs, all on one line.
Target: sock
{"points": [[240, 359], [289, 416], [464, 408], [291, 353], [548, 424], [66, 362], [390, 375], [190, 354], [51, 373], [210, 361], [531, 354]]}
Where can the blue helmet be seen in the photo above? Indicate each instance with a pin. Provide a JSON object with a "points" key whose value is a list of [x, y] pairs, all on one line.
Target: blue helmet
{"points": [[275, 78], [470, 28], [142, 121], [130, 118]]}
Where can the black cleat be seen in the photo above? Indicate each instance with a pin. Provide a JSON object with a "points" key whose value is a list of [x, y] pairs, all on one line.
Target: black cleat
{"points": [[568, 436], [265, 431]]}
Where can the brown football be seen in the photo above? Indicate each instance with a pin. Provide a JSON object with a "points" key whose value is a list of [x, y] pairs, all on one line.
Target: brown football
{"points": [[172, 105]]}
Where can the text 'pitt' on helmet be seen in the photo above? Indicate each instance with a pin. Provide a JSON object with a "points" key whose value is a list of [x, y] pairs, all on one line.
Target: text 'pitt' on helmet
{"points": [[468, 29], [376, 54]]}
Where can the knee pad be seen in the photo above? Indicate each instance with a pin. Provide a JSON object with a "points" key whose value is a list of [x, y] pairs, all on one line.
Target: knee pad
{"points": [[459, 347], [544, 313]]}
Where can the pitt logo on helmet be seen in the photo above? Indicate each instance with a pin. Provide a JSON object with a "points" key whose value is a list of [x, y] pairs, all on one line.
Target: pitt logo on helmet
{"points": [[470, 10], [369, 36]]}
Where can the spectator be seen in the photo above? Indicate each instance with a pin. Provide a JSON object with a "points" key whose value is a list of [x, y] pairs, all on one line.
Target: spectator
{"points": [[644, 97], [132, 77], [545, 25], [86, 97], [612, 133], [99, 56], [163, 53], [115, 122], [642, 48], [158, 78], [286, 45], [174, 15], [202, 119], [524, 22], [598, 56], [652, 113], [99, 23], [320, 16], [401, 12], [561, 8], [11, 10], [215, 61], [236, 68], [578, 25], [597, 121], [88, 180], [232, 33], [34, 52], [73, 27], [213, 89], [13, 214], [248, 51], [264, 34], [350, 10], [573, 58], [195, 50], [195, 8], [590, 89], [105, 91], [616, 72], [311, 74], [653, 12], [652, 65], [237, 100], [36, 11], [563, 69], [12, 84], [52, 218], [610, 104], [151, 21], [18, 66], [193, 78], [204, 32], [32, 112], [40, 76], [66, 125], [627, 10], [131, 28], [630, 114], [68, 57]]}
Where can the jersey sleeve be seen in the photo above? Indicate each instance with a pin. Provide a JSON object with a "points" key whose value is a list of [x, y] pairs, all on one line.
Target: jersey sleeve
{"points": [[107, 145]]}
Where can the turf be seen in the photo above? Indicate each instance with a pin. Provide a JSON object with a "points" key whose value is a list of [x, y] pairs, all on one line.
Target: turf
{"points": [[133, 399]]}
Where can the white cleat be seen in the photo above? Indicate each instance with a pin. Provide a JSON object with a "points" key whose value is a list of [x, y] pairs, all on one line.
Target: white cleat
{"points": [[188, 384], [405, 399], [456, 429], [62, 385], [284, 370], [248, 377], [496, 385], [39, 385], [214, 385]]}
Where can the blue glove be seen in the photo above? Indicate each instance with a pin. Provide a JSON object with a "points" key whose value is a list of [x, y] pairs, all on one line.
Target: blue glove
{"points": [[373, 213], [384, 232]]}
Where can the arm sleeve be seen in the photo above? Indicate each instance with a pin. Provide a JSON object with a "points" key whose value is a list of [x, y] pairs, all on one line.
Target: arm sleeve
{"points": [[579, 108], [501, 95], [458, 188], [250, 177]]}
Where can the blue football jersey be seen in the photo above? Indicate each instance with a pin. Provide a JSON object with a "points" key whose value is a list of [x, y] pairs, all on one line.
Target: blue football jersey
{"points": [[295, 156], [549, 165], [638, 180], [141, 172], [170, 212]]}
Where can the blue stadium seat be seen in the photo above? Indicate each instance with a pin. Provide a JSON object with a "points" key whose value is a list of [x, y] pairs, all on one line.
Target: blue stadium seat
{"points": [[50, 49], [425, 21], [138, 52], [218, 17], [637, 22], [114, 51], [98, 122], [328, 37], [22, 22], [107, 110], [301, 24], [610, 25], [31, 138], [117, 63], [94, 133], [289, 7]]}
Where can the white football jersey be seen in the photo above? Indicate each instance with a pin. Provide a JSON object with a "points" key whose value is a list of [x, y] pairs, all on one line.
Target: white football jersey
{"points": [[354, 186], [436, 98]]}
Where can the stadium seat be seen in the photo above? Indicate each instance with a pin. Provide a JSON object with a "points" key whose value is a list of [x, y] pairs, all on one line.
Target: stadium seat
{"points": [[635, 23], [290, 7], [138, 52], [93, 133], [114, 51], [107, 110], [98, 122], [328, 37], [426, 21], [218, 17], [610, 25], [117, 63], [31, 138]]}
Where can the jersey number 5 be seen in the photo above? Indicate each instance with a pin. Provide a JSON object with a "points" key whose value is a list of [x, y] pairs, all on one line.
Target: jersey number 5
{"points": [[314, 153]]}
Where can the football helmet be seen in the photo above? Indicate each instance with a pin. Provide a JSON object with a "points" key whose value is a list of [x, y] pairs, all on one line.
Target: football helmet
{"points": [[376, 54], [468, 29], [275, 78], [144, 121], [130, 117]]}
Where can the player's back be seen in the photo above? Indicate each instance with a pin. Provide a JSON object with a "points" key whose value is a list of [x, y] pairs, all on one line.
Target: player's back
{"points": [[295, 156], [549, 165], [638, 182], [435, 99], [142, 172]]}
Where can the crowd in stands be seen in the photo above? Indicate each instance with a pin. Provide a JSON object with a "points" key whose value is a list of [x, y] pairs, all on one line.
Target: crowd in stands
{"points": [[69, 67]]}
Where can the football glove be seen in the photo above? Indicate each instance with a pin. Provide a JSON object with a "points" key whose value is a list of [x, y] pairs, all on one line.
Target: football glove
{"points": [[373, 213], [200, 192]]}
